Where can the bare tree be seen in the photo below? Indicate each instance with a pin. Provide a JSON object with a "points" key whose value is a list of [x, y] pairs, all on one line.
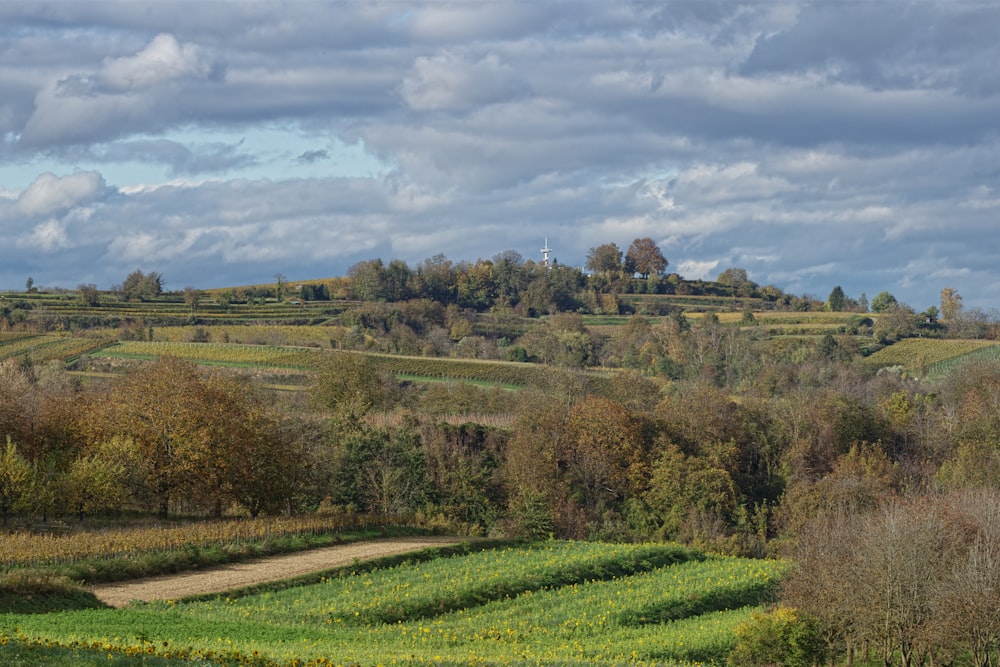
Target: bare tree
{"points": [[917, 581]]}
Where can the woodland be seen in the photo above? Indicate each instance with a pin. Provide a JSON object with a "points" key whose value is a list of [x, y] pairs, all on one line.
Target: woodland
{"points": [[508, 398]]}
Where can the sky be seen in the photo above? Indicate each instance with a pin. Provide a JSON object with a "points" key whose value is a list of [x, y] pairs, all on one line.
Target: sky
{"points": [[814, 144]]}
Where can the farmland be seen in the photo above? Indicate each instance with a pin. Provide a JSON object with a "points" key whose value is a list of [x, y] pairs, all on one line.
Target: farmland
{"points": [[569, 411], [586, 603], [922, 356]]}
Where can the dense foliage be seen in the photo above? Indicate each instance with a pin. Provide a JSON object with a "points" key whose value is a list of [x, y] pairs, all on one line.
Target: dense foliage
{"points": [[511, 398]]}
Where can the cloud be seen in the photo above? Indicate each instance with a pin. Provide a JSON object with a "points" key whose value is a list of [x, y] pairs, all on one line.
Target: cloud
{"points": [[181, 159], [699, 270], [162, 61], [813, 143], [125, 95], [46, 236], [50, 193], [449, 81], [313, 156]]}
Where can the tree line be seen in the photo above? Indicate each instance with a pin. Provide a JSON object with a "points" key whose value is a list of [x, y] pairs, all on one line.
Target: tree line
{"points": [[811, 429]]}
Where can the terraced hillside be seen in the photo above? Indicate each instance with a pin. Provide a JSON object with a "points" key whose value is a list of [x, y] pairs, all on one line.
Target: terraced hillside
{"points": [[930, 357]]}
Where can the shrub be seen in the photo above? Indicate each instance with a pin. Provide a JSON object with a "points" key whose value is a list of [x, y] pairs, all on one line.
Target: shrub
{"points": [[782, 637]]}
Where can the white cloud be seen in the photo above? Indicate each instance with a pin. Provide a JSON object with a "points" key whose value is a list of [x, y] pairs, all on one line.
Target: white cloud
{"points": [[49, 193], [698, 270], [163, 60], [46, 236]]}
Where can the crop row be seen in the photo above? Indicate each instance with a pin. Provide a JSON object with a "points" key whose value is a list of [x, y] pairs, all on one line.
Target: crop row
{"points": [[274, 356], [919, 354], [216, 353], [23, 549], [42, 348], [494, 372], [161, 314], [673, 613], [254, 334], [467, 369], [408, 593], [988, 353]]}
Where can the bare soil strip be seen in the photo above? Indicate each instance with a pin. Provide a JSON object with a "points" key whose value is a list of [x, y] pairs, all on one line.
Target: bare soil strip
{"points": [[264, 570]]}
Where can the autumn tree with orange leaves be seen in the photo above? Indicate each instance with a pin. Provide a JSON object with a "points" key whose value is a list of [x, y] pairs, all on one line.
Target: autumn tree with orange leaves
{"points": [[204, 439]]}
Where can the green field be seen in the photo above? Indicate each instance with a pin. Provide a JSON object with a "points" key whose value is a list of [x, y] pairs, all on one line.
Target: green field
{"points": [[552, 603]]}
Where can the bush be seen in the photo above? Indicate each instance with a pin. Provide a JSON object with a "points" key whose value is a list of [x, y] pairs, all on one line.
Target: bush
{"points": [[782, 637]]}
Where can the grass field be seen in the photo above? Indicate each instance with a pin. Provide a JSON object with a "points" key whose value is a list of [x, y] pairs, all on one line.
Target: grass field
{"points": [[551, 603]]}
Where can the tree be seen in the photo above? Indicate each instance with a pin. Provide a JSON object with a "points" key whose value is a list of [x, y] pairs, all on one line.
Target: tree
{"points": [[837, 301], [892, 578], [883, 302], [139, 286], [199, 436], [966, 601], [644, 257], [29, 284], [738, 281], [604, 259], [822, 564], [781, 637], [682, 485], [396, 279], [367, 280], [380, 471], [436, 280], [192, 297], [15, 474], [158, 407], [88, 294], [352, 384], [603, 455], [951, 304], [97, 481], [510, 277], [280, 286], [896, 322]]}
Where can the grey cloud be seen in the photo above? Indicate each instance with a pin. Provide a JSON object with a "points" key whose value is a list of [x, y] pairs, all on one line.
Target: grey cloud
{"points": [[885, 45], [313, 156], [816, 143], [451, 81], [179, 158], [126, 94]]}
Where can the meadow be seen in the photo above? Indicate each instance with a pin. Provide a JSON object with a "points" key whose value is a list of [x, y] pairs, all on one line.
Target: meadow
{"points": [[554, 602]]}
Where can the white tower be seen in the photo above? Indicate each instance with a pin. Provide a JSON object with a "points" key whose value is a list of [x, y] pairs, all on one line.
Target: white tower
{"points": [[546, 250]]}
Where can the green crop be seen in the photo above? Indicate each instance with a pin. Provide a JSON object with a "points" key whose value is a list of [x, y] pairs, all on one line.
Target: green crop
{"points": [[556, 603]]}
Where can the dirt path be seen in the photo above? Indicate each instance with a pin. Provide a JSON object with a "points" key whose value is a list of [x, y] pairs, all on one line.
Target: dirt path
{"points": [[274, 568]]}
